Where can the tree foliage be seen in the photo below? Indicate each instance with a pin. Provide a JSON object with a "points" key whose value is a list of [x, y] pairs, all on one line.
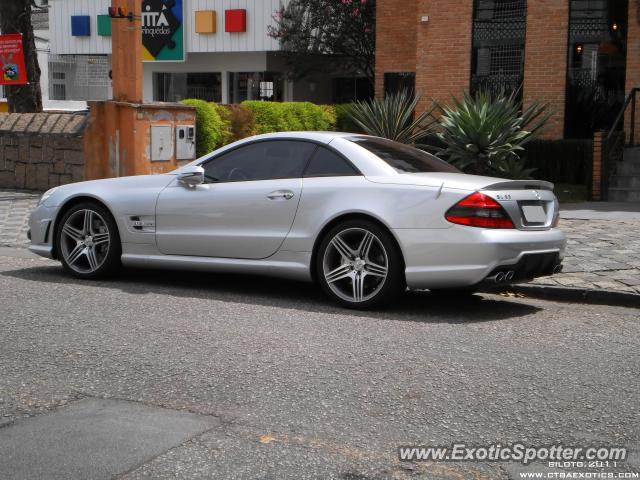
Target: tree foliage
{"points": [[344, 29], [15, 17]]}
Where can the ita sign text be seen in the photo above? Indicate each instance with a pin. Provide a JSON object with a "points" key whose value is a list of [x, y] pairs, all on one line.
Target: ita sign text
{"points": [[162, 30]]}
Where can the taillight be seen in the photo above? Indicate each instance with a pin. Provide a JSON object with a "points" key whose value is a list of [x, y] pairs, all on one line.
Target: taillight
{"points": [[479, 210]]}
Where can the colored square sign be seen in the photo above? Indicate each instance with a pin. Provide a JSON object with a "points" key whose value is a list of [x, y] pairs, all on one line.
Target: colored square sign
{"points": [[162, 31], [206, 21], [81, 26], [104, 25], [235, 21], [12, 68]]}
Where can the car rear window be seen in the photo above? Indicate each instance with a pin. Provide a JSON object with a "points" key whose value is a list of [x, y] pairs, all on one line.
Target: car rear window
{"points": [[403, 158]]}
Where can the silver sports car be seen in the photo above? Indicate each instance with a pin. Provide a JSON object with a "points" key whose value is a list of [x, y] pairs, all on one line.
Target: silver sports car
{"points": [[362, 216]]}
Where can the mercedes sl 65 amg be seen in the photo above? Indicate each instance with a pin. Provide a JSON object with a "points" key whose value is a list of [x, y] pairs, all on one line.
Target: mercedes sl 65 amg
{"points": [[364, 217]]}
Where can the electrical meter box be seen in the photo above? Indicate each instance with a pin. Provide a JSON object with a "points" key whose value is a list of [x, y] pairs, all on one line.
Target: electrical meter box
{"points": [[161, 143], [185, 142]]}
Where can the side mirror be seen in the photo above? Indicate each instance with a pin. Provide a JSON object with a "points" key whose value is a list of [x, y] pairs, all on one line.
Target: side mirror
{"points": [[191, 176]]}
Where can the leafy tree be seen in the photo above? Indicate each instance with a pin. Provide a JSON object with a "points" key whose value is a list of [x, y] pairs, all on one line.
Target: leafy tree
{"points": [[344, 29], [15, 17]]}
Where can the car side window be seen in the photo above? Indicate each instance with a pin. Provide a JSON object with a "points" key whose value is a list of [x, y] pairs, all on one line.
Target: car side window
{"points": [[260, 161], [326, 163]]}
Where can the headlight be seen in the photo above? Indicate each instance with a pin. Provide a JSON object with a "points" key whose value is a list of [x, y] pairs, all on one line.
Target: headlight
{"points": [[45, 196]]}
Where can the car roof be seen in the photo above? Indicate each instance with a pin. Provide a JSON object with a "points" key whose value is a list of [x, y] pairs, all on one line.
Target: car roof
{"points": [[320, 136]]}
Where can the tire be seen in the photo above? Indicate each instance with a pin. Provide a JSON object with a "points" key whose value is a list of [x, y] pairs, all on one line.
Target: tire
{"points": [[376, 265], [87, 241]]}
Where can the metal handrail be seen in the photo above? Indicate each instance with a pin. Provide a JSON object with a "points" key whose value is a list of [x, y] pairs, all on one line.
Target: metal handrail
{"points": [[631, 99]]}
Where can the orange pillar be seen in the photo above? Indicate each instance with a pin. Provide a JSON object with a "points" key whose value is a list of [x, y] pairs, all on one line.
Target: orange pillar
{"points": [[118, 139], [127, 53]]}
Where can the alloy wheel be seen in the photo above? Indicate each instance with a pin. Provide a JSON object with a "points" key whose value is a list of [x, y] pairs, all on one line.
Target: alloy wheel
{"points": [[355, 265], [84, 241]]}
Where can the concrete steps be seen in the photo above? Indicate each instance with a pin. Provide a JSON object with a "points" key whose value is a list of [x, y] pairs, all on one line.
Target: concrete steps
{"points": [[625, 182]]}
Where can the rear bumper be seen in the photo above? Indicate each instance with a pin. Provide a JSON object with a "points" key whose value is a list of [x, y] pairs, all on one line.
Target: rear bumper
{"points": [[465, 256]]}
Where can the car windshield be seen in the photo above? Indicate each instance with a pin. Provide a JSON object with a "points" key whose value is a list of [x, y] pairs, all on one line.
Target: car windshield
{"points": [[403, 158]]}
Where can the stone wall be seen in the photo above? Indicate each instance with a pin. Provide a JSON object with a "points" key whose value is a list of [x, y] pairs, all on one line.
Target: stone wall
{"points": [[41, 150]]}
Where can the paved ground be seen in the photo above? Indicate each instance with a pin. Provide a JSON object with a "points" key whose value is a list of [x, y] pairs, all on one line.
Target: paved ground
{"points": [[15, 207], [301, 389], [603, 251]]}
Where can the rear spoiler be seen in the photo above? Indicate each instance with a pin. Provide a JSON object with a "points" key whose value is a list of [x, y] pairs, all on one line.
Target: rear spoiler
{"points": [[520, 185]]}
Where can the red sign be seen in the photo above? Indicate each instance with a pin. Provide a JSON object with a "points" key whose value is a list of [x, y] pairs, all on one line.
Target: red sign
{"points": [[12, 69]]}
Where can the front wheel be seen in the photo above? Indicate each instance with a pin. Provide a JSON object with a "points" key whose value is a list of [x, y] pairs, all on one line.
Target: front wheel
{"points": [[87, 241], [359, 265]]}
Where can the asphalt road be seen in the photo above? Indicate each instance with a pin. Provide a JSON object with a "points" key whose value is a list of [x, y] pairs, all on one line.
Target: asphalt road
{"points": [[298, 388]]}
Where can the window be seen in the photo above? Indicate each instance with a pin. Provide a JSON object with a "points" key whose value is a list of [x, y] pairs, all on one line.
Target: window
{"points": [[326, 163], [397, 82], [348, 89], [173, 87], [255, 86], [58, 91], [260, 161], [596, 65], [498, 45], [403, 158]]}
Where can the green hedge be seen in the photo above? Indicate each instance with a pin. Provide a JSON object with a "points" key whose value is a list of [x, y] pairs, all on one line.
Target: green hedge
{"points": [[344, 121], [218, 125], [209, 127], [290, 116], [239, 122]]}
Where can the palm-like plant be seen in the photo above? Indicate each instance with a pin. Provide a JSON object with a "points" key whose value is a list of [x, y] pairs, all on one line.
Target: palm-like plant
{"points": [[392, 117], [486, 134]]}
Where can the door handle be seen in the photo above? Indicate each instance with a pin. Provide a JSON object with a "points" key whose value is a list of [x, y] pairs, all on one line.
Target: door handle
{"points": [[286, 194]]}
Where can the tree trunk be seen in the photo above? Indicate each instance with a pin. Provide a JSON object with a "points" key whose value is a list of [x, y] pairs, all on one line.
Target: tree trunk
{"points": [[15, 17]]}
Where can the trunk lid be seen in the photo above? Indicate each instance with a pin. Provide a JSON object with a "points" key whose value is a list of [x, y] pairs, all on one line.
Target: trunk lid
{"points": [[531, 204]]}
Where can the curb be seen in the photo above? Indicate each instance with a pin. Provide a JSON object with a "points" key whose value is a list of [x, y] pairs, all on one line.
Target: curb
{"points": [[582, 295]]}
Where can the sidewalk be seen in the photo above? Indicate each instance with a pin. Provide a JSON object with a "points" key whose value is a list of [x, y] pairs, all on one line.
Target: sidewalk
{"points": [[603, 253], [603, 250], [15, 207]]}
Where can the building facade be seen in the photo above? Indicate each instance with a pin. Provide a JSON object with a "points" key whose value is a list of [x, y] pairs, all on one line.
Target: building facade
{"points": [[227, 54], [579, 56]]}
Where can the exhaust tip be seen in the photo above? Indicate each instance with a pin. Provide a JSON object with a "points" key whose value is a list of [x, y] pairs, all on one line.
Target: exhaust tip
{"points": [[509, 275], [558, 268], [499, 277]]}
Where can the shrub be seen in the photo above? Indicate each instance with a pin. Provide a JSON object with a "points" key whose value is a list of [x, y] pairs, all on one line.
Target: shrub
{"points": [[311, 117], [329, 117], [344, 120], [225, 115], [486, 134], [269, 116], [209, 126], [288, 116], [242, 122], [292, 116], [393, 117]]}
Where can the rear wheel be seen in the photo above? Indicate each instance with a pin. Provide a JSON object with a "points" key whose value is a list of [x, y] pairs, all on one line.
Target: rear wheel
{"points": [[359, 265], [87, 241]]}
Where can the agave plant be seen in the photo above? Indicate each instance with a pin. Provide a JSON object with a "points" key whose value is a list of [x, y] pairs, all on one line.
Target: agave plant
{"points": [[486, 134], [512, 167], [392, 117]]}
